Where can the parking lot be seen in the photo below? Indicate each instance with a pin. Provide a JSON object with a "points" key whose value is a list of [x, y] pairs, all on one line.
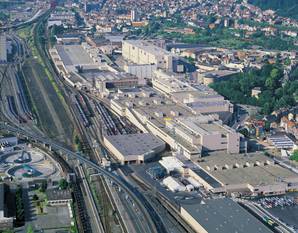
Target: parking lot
{"points": [[52, 220]]}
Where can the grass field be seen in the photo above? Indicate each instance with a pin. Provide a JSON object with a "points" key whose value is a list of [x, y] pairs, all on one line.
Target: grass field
{"points": [[47, 99]]}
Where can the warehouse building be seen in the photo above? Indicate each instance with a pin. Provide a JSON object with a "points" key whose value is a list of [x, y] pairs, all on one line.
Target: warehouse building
{"points": [[215, 76], [134, 148], [105, 82], [143, 52], [70, 60], [168, 83], [220, 215], [197, 98], [252, 174], [57, 197], [82, 66], [206, 131], [168, 120], [171, 164], [144, 72], [235, 174], [173, 184]]}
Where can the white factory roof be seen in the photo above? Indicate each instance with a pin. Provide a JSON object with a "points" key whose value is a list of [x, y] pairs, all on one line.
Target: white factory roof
{"points": [[170, 81], [192, 96], [149, 47], [199, 126], [194, 182], [173, 184], [74, 55], [171, 163], [105, 75]]}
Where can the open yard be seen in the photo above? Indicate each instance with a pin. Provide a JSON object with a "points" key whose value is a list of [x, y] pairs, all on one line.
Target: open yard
{"points": [[52, 116], [47, 100]]}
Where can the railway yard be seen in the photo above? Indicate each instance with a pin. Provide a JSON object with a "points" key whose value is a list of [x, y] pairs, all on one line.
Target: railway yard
{"points": [[39, 108]]}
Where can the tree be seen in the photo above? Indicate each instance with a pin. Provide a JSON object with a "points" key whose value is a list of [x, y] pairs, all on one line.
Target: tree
{"points": [[29, 229], [272, 81], [7, 231], [294, 156], [287, 62], [20, 217], [275, 94], [63, 184], [267, 109], [35, 197], [43, 186]]}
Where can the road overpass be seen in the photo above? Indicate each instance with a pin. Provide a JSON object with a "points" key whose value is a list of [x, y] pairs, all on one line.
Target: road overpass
{"points": [[35, 17], [149, 213]]}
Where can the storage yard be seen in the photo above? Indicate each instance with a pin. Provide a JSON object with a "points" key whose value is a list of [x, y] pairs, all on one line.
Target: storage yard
{"points": [[13, 94]]}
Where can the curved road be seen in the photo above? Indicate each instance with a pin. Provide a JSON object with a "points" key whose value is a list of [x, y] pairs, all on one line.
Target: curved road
{"points": [[145, 207]]}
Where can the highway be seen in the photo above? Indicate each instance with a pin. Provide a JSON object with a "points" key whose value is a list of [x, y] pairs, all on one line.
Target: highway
{"points": [[131, 191]]}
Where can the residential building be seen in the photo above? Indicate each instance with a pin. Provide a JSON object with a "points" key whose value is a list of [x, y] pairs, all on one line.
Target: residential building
{"points": [[57, 197]]}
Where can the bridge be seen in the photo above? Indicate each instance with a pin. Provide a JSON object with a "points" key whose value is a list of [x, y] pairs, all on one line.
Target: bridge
{"points": [[151, 216]]}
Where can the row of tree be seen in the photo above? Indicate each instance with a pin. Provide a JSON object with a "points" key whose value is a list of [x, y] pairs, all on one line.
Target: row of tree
{"points": [[20, 211]]}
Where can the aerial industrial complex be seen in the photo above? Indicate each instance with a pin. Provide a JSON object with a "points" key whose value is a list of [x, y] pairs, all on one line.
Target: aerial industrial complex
{"points": [[171, 116], [185, 115]]}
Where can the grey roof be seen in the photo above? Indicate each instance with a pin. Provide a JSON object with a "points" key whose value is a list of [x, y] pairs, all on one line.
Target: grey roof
{"points": [[57, 194], [134, 144], [73, 55], [224, 216], [209, 179]]}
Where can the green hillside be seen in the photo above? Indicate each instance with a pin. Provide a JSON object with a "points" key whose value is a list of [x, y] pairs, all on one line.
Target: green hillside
{"points": [[287, 8]]}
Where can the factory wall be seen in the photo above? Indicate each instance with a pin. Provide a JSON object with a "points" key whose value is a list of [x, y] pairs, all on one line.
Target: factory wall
{"points": [[192, 222]]}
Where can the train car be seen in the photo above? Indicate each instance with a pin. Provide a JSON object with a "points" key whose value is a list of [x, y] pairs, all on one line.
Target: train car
{"points": [[83, 110], [13, 109], [82, 115], [22, 99], [87, 103]]}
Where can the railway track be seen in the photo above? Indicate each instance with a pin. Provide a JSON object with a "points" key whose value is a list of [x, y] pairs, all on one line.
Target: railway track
{"points": [[162, 205], [96, 219]]}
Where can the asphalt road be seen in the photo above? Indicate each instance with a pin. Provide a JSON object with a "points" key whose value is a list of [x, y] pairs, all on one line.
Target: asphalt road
{"points": [[131, 191]]}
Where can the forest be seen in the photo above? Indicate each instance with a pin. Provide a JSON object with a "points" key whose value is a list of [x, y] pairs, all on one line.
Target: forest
{"points": [[287, 8], [276, 93]]}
